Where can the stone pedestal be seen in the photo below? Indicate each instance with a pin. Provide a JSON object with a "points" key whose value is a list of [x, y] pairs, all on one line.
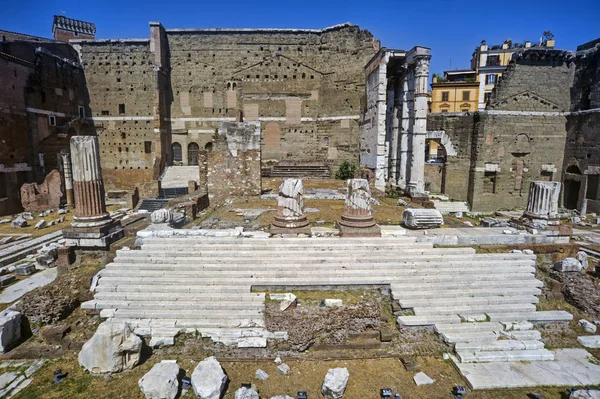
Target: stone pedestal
{"points": [[543, 200], [66, 257], [68, 175], [290, 218], [92, 226], [357, 220]]}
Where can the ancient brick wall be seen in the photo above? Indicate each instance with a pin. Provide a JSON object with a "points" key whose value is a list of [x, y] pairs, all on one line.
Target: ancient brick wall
{"points": [[234, 163], [121, 82], [41, 103], [459, 129], [303, 86], [582, 150]]}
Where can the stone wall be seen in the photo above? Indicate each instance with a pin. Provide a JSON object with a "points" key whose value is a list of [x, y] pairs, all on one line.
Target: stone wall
{"points": [[582, 150], [42, 101], [234, 163]]}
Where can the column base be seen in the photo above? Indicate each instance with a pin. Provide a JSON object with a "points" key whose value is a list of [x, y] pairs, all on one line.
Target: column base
{"points": [[281, 225], [358, 226], [96, 237]]}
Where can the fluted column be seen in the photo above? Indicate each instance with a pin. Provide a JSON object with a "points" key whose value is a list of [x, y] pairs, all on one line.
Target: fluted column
{"points": [[90, 205], [419, 129], [290, 216], [68, 175], [543, 199], [357, 219], [403, 139]]}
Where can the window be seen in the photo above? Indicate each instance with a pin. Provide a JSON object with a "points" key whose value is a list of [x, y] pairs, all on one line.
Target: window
{"points": [[489, 182], [104, 112], [490, 79], [444, 110], [76, 34], [52, 120], [493, 60], [486, 96], [81, 112], [43, 96], [121, 109], [445, 96], [147, 147], [466, 95], [592, 187], [176, 149]]}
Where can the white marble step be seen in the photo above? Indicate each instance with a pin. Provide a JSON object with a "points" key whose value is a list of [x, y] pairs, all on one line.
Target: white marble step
{"points": [[210, 325], [203, 314], [500, 345], [279, 241], [473, 310], [400, 294], [410, 321], [467, 327], [300, 271], [476, 336], [175, 297], [550, 315], [468, 301], [527, 335], [174, 305], [316, 264], [505, 356], [530, 282], [116, 285]]}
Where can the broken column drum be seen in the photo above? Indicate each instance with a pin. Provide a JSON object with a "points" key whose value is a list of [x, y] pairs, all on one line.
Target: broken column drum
{"points": [[68, 175], [543, 200], [92, 225], [357, 219], [290, 217]]}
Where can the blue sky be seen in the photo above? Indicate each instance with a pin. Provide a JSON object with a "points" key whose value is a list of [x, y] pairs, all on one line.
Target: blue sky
{"points": [[451, 28]]}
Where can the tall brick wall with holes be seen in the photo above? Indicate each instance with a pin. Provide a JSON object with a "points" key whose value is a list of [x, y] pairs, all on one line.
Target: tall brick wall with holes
{"points": [[42, 101], [121, 82], [581, 165]]}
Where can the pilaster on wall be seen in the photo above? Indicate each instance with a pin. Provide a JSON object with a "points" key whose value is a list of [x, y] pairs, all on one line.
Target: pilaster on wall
{"points": [[161, 110]]}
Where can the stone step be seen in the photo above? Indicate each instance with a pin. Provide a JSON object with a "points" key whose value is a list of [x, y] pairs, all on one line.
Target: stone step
{"points": [[125, 287], [476, 336], [300, 270], [383, 276], [464, 285], [409, 321], [468, 301], [473, 310], [234, 251], [314, 241], [186, 314], [317, 263], [549, 315], [467, 327], [175, 305], [500, 345], [505, 356], [193, 323], [399, 294], [300, 280], [527, 335], [175, 297]]}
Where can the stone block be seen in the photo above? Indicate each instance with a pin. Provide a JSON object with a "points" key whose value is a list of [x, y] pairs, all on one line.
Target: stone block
{"points": [[10, 329], [422, 218], [54, 334], [161, 382], [25, 270], [568, 265], [208, 379], [334, 384]]}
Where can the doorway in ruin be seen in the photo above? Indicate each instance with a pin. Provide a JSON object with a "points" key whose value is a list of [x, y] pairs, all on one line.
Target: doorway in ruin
{"points": [[435, 166], [193, 151], [572, 186], [177, 154]]}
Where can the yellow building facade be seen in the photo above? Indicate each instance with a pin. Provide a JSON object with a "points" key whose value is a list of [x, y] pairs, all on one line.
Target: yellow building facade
{"points": [[458, 91]]}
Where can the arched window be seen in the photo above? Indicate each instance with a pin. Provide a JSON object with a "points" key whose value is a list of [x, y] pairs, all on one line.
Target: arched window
{"points": [[209, 146], [193, 152], [176, 149]]}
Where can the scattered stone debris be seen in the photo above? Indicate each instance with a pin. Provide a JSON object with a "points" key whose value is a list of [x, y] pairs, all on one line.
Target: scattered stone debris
{"points": [[401, 202], [585, 394], [161, 381], [277, 360], [582, 257], [335, 383], [40, 225], [580, 291], [246, 393], [590, 341], [113, 348], [261, 375], [286, 299], [19, 222], [423, 379], [53, 335], [568, 265], [3, 221], [208, 379], [587, 326], [10, 329], [283, 369], [331, 303]]}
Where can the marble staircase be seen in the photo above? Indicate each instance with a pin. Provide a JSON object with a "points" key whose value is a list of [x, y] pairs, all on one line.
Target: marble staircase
{"points": [[179, 176]]}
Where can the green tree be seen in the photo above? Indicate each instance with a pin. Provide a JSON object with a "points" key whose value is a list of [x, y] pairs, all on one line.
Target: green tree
{"points": [[345, 171]]}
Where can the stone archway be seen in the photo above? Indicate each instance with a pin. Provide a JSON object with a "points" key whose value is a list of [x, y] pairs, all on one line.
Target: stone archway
{"points": [[435, 166], [193, 152]]}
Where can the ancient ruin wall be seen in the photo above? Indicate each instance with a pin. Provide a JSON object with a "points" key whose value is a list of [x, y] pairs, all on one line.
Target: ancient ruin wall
{"points": [[303, 86], [120, 80]]}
